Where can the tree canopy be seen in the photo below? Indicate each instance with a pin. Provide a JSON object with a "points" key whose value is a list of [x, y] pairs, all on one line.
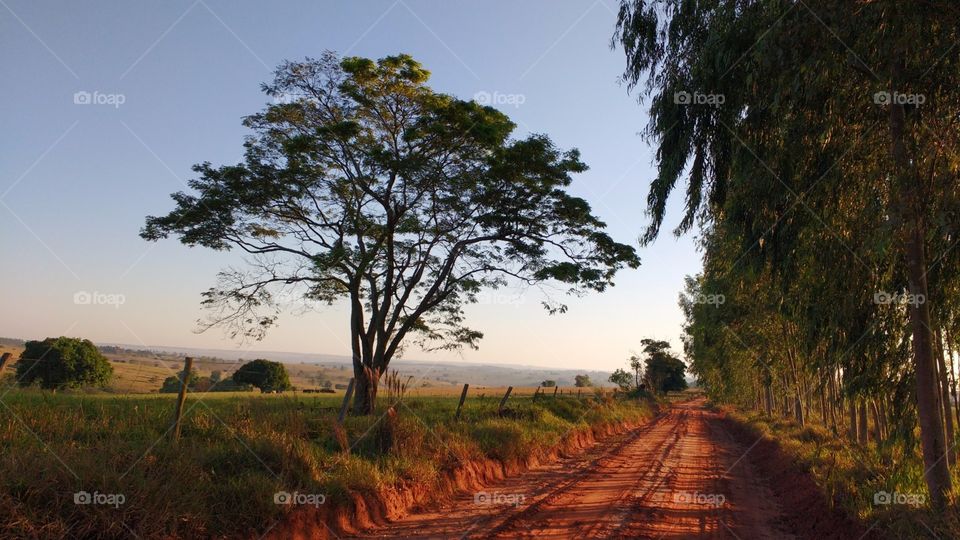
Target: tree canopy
{"points": [[822, 166], [263, 374], [582, 381], [63, 362], [664, 371], [363, 184], [622, 379]]}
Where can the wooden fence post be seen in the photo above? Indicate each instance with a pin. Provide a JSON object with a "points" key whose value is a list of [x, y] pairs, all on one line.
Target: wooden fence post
{"points": [[504, 400], [578, 393], [555, 388], [463, 396], [346, 402], [3, 360], [182, 397]]}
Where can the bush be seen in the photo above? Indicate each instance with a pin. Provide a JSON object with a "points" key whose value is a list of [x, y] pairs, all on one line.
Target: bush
{"points": [[266, 375], [63, 363]]}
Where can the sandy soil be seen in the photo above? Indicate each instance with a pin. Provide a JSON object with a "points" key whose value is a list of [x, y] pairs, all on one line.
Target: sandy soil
{"points": [[680, 476]]}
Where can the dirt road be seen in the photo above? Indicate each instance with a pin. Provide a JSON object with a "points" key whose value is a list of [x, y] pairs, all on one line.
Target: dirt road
{"points": [[680, 476]]}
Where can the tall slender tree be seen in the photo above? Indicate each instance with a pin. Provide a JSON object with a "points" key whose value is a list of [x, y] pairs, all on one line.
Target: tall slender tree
{"points": [[758, 103]]}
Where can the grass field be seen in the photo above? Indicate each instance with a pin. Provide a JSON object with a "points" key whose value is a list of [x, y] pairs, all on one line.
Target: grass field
{"points": [[238, 451], [852, 475], [142, 372]]}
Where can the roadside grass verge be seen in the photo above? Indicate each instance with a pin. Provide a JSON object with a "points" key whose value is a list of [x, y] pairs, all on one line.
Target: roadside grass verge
{"points": [[237, 452], [882, 485]]}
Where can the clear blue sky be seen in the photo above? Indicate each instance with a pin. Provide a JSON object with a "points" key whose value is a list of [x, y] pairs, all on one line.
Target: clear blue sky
{"points": [[77, 180]]}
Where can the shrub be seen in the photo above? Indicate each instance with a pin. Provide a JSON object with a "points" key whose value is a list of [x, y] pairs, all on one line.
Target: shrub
{"points": [[266, 375], [63, 363]]}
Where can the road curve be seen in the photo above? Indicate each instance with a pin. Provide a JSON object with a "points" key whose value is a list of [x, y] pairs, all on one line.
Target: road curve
{"points": [[679, 476]]}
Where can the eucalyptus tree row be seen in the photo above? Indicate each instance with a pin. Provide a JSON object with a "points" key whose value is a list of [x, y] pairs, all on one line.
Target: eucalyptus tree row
{"points": [[818, 144]]}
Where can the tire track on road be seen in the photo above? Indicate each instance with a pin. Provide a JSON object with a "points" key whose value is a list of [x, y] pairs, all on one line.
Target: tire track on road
{"points": [[679, 476]]}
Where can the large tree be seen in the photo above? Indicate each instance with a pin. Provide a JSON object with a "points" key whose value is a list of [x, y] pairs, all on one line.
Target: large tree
{"points": [[362, 183]]}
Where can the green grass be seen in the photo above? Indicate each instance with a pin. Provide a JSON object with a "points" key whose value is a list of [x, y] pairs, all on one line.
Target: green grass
{"points": [[237, 451], [851, 475]]}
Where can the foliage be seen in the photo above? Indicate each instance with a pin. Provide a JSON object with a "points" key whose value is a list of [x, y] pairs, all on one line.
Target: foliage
{"points": [[171, 384], [263, 374], [63, 362], [664, 372], [364, 184], [582, 381], [636, 364], [549, 383], [622, 379], [824, 177]]}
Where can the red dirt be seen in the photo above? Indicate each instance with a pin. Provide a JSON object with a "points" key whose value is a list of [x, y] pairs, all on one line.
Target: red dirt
{"points": [[369, 511], [689, 473]]}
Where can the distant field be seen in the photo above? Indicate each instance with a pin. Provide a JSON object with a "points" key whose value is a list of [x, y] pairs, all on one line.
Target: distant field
{"points": [[137, 372]]}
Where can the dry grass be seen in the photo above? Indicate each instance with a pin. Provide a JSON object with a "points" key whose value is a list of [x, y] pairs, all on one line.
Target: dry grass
{"points": [[237, 451], [136, 373], [851, 475]]}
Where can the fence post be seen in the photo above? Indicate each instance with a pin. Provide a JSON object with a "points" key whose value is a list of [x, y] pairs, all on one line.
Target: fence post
{"points": [[182, 397], [578, 393], [463, 396], [555, 388], [346, 402], [3, 360], [504, 400]]}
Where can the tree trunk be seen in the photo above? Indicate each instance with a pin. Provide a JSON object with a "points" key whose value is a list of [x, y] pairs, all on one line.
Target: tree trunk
{"points": [[833, 402], [787, 412], [822, 395], [862, 436], [945, 400], [769, 395], [852, 431], [884, 415], [950, 348], [934, 446], [756, 395], [798, 409], [364, 393], [877, 426]]}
